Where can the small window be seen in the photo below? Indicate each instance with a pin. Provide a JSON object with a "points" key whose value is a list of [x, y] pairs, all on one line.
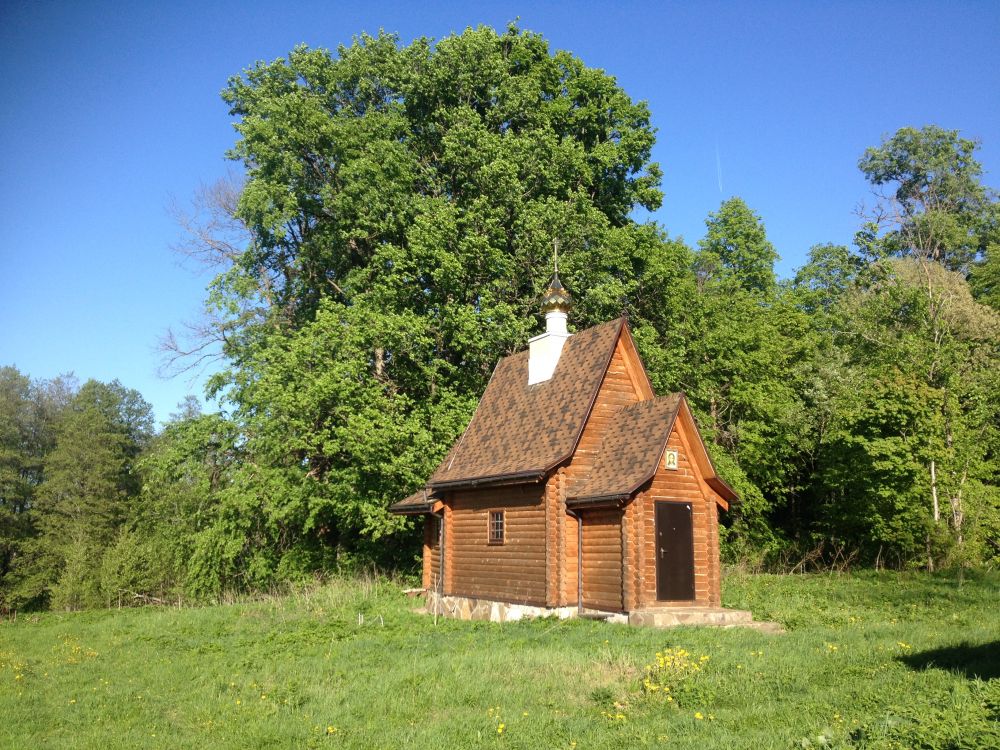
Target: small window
{"points": [[434, 524], [496, 527]]}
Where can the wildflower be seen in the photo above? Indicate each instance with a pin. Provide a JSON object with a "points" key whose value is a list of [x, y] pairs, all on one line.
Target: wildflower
{"points": [[698, 715], [500, 727], [331, 729], [524, 714], [72, 701]]}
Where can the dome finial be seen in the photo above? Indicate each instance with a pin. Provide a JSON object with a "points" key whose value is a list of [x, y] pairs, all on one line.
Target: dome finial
{"points": [[556, 298]]}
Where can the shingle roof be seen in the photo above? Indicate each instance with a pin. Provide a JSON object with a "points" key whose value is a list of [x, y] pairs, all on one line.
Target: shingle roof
{"points": [[522, 430], [419, 502], [631, 448]]}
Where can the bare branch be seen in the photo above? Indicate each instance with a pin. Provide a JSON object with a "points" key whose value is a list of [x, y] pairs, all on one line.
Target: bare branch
{"points": [[214, 236]]}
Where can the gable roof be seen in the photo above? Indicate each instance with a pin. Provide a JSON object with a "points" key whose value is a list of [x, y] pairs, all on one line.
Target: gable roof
{"points": [[631, 450], [520, 432]]}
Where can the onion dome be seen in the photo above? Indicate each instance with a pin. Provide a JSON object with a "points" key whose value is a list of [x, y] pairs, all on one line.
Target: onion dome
{"points": [[556, 298]]}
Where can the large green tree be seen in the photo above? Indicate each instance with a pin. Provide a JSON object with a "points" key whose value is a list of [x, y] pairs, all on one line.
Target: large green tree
{"points": [[90, 482], [934, 210], [401, 204], [931, 200], [29, 412], [735, 246]]}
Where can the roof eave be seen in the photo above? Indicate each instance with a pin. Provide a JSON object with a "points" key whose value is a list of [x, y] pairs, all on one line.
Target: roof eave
{"points": [[617, 500], [412, 510], [522, 477]]}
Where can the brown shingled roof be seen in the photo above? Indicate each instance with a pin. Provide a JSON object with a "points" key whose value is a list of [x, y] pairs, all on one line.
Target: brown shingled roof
{"points": [[631, 449], [420, 501], [522, 431]]}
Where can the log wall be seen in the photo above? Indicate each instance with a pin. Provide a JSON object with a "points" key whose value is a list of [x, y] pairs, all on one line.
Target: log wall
{"points": [[432, 553], [618, 389], [514, 571], [602, 559]]}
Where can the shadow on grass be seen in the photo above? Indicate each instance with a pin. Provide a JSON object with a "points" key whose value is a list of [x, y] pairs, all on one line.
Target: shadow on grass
{"points": [[972, 660]]}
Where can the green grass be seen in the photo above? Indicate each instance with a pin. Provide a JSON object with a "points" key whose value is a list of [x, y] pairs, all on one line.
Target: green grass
{"points": [[870, 660]]}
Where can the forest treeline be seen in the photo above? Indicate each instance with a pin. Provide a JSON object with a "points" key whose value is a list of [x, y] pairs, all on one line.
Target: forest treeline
{"points": [[389, 244]]}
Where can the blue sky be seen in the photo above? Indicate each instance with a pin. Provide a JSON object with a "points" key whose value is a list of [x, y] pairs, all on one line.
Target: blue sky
{"points": [[109, 110]]}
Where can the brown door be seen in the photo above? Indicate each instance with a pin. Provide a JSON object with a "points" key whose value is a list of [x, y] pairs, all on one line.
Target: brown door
{"points": [[674, 552]]}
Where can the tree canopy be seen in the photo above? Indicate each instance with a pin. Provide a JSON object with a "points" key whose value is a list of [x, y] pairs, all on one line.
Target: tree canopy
{"points": [[389, 244]]}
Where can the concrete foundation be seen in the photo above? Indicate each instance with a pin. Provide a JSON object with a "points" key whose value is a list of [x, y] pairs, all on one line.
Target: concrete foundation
{"points": [[469, 608]]}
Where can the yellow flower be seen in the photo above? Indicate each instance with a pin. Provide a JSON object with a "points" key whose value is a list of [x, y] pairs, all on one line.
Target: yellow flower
{"points": [[500, 727], [698, 716], [331, 729], [72, 700]]}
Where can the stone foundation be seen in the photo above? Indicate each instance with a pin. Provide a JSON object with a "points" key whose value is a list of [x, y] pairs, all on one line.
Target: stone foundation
{"points": [[467, 608]]}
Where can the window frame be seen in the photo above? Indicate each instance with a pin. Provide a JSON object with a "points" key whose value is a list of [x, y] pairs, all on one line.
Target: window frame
{"points": [[492, 538]]}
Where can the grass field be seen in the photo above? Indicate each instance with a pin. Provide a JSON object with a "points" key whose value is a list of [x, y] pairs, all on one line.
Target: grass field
{"points": [[869, 660]]}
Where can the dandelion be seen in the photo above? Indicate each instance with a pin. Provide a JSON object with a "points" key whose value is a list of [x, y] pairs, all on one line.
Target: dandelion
{"points": [[698, 715], [72, 701], [500, 727], [524, 714], [331, 729]]}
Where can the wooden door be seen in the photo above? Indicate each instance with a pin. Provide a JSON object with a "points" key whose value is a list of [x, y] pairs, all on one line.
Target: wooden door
{"points": [[674, 552]]}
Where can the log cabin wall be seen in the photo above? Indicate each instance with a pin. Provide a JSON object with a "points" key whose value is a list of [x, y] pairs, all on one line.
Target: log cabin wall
{"points": [[618, 388], [432, 553], [602, 559], [560, 544], [681, 485], [514, 571]]}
